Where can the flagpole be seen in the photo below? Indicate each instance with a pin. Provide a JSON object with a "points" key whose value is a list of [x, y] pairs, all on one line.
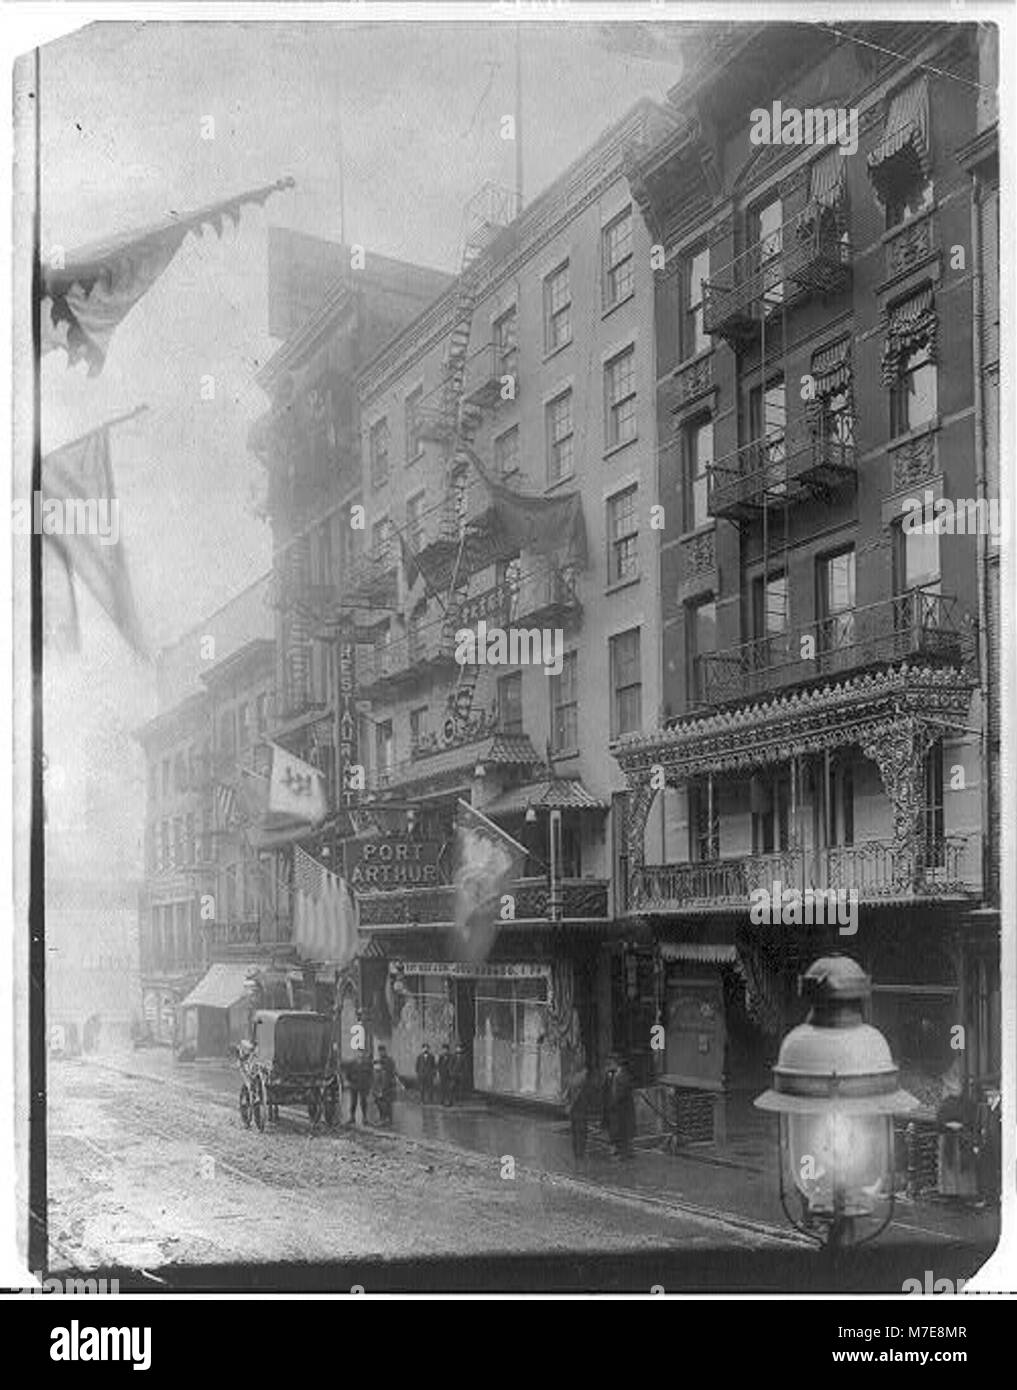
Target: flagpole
{"points": [[38, 1244]]}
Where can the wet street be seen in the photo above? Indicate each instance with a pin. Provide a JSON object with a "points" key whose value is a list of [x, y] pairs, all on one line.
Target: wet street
{"points": [[149, 1166]]}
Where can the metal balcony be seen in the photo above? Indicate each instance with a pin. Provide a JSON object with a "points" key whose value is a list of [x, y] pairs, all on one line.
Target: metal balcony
{"points": [[484, 374], [373, 579], [546, 594], [779, 471], [578, 900], [875, 870], [917, 625], [810, 255], [407, 660]]}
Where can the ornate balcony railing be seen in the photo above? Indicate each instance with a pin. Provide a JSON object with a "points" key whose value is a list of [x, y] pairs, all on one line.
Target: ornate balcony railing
{"points": [[545, 591], [780, 469], [876, 870], [918, 624], [810, 254], [579, 899]]}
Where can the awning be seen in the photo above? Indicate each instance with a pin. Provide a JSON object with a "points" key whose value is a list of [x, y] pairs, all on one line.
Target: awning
{"points": [[902, 156], [704, 953], [831, 369], [827, 182], [911, 326], [223, 986], [553, 794]]}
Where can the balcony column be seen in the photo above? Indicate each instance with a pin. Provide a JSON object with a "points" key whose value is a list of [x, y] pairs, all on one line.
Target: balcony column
{"points": [[899, 748], [641, 796]]}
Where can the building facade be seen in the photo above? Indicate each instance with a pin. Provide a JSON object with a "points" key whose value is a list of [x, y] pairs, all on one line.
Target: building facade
{"points": [[829, 673]]}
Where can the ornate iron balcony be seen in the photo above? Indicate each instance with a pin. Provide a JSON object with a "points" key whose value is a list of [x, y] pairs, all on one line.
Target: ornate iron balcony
{"points": [[779, 470]]}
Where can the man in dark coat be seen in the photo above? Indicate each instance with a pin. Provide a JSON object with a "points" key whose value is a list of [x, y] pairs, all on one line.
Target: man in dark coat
{"points": [[446, 1075], [361, 1075], [619, 1107], [384, 1085], [577, 1106], [425, 1075]]}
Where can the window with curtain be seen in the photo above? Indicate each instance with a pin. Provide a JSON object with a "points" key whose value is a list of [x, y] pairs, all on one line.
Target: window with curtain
{"points": [[900, 166]]}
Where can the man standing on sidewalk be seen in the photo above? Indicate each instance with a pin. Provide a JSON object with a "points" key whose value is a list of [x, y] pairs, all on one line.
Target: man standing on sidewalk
{"points": [[384, 1085], [619, 1106], [361, 1075], [425, 1075], [446, 1076], [577, 1105]]}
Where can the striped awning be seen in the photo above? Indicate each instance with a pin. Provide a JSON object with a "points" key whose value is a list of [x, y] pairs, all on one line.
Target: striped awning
{"points": [[910, 326], [827, 180], [831, 368], [902, 156]]}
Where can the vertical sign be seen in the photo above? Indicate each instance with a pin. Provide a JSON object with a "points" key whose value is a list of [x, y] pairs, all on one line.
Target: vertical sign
{"points": [[347, 716]]}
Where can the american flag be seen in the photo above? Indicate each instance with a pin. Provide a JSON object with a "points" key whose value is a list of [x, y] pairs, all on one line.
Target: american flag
{"points": [[324, 912]]}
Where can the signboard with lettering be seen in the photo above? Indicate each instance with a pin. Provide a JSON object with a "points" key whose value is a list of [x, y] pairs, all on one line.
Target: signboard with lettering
{"points": [[392, 861], [347, 718]]}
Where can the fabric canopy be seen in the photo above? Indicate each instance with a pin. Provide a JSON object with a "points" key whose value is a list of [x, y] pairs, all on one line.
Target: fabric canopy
{"points": [[902, 156], [827, 182], [911, 326], [224, 985], [538, 525], [831, 370], [702, 952]]}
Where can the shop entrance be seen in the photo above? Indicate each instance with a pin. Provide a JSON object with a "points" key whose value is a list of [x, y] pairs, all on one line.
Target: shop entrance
{"points": [[466, 1026]]}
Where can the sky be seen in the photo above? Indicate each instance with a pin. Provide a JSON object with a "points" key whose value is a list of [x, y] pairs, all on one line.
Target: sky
{"points": [[412, 113]]}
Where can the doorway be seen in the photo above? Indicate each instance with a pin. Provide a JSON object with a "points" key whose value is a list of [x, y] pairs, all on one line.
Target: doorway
{"points": [[466, 1027]]}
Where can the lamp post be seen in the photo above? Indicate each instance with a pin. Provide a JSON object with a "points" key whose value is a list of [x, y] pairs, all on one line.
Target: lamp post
{"points": [[835, 1093]]}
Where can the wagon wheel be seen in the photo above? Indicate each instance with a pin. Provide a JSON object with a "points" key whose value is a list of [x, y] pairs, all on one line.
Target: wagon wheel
{"points": [[331, 1102], [258, 1102], [314, 1105], [245, 1105]]}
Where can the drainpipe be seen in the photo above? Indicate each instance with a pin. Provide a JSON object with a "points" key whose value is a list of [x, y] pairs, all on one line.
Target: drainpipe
{"points": [[981, 485]]}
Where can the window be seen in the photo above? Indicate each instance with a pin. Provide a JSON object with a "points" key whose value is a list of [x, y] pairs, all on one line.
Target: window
{"points": [[698, 458], [618, 263], [626, 684], [510, 703], [506, 453], [620, 398], [379, 452], [934, 813], [766, 237], [506, 346], [164, 844], [917, 560], [260, 713], [415, 637], [381, 541], [770, 799], [414, 522], [913, 393], [414, 444], [180, 773], [899, 165], [840, 803], [767, 423], [622, 536], [701, 641], [704, 823], [557, 309], [189, 837], [418, 727], [694, 338], [769, 606], [565, 706], [242, 726], [559, 438], [227, 735], [835, 584], [384, 749]]}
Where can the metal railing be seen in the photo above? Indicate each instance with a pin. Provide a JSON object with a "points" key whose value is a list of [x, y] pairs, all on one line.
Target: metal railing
{"points": [[918, 624], [809, 253], [578, 899], [873, 869], [778, 468]]}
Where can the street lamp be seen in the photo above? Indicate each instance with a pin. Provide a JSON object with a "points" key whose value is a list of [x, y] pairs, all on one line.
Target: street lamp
{"points": [[835, 1092]]}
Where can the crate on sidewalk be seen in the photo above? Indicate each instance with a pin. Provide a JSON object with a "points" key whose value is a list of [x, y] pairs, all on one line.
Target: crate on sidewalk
{"points": [[684, 1113]]}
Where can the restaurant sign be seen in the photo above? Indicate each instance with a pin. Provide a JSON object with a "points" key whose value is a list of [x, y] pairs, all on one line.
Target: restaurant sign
{"points": [[392, 861]]}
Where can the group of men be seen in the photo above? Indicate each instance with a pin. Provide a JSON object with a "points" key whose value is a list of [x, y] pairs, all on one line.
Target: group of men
{"points": [[617, 1106], [365, 1078], [447, 1074]]}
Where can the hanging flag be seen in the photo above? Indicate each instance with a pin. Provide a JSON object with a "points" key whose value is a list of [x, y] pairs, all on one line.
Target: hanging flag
{"points": [[324, 912], [296, 789], [78, 513], [540, 525], [488, 861], [85, 299]]}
